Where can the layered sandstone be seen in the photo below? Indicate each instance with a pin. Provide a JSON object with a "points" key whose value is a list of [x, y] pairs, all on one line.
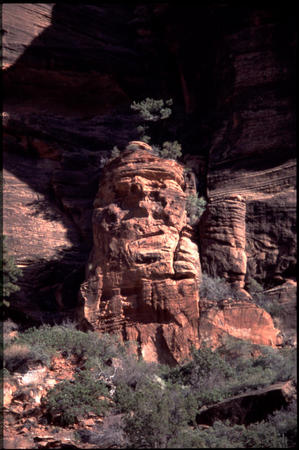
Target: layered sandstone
{"points": [[223, 239], [143, 271], [239, 319]]}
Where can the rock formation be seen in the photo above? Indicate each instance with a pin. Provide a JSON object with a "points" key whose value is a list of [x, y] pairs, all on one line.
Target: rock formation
{"points": [[236, 123], [143, 271], [240, 319], [250, 407], [223, 238]]}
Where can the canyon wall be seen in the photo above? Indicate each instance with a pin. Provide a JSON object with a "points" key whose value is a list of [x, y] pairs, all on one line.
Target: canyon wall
{"points": [[70, 75]]}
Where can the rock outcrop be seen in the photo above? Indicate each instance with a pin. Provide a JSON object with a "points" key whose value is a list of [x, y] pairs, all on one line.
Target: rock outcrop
{"points": [[239, 319], [250, 407], [234, 115], [223, 239], [143, 271]]}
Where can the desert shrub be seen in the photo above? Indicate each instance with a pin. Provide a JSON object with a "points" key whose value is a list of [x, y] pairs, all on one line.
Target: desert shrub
{"points": [[225, 435], [115, 152], [213, 376], [17, 356], [261, 299], [272, 365], [133, 371], [10, 273], [69, 400], [216, 288], [151, 110], [195, 207], [285, 422], [154, 414], [47, 340], [207, 374]]}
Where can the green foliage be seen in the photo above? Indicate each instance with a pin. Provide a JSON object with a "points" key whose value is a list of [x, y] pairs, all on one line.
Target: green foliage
{"points": [[45, 341], [17, 356], [72, 399], [169, 150], [10, 273], [154, 414], [115, 152], [224, 435], [195, 207], [151, 110], [207, 374], [159, 403], [215, 375], [215, 288], [285, 421], [261, 299]]}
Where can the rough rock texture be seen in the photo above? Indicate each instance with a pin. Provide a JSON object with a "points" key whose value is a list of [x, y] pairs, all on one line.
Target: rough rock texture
{"points": [[239, 319], [71, 72], [252, 151], [223, 239], [143, 272], [251, 407]]}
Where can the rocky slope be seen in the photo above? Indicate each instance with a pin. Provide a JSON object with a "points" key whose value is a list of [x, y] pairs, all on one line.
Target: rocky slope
{"points": [[71, 72]]}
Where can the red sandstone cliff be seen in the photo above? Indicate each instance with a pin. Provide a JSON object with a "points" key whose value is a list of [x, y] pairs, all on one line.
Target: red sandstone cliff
{"points": [[67, 97], [143, 273]]}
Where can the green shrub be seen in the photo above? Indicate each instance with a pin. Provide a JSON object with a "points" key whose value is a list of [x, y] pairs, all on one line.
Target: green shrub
{"points": [[195, 207], [215, 375], [154, 414], [216, 288], [17, 357], [69, 400], [47, 340], [10, 273], [151, 110], [224, 435]]}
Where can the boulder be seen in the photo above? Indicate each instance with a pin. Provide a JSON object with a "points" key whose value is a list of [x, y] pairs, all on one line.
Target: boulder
{"points": [[250, 407]]}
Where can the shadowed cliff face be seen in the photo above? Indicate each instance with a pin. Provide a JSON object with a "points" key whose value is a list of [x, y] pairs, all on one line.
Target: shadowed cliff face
{"points": [[71, 72], [144, 269]]}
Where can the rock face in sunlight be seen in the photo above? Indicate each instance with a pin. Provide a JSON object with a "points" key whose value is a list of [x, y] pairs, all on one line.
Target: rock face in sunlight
{"points": [[238, 319], [143, 271]]}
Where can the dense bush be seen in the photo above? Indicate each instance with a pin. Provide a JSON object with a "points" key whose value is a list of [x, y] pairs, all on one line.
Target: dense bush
{"points": [[151, 110], [47, 340], [71, 399], [151, 114], [10, 273], [216, 288], [215, 375], [154, 414], [17, 357], [195, 208], [224, 435], [158, 403]]}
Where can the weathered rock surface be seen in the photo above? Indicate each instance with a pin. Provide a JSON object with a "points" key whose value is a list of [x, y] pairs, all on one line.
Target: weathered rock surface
{"points": [[250, 407], [68, 84], [143, 271], [239, 319], [253, 152], [223, 239]]}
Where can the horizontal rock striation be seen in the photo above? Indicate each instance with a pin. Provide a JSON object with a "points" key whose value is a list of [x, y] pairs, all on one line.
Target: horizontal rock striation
{"points": [[143, 271], [239, 319], [223, 239]]}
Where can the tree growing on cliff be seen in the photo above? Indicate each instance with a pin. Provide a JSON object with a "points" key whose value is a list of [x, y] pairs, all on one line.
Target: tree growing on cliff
{"points": [[10, 273], [152, 114], [195, 207]]}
